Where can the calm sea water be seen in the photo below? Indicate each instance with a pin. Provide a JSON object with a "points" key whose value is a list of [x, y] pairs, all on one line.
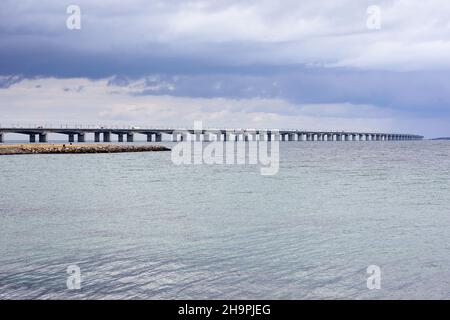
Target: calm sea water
{"points": [[140, 227]]}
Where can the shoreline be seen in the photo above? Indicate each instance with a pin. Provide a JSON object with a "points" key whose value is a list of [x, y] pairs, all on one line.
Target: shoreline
{"points": [[75, 149]]}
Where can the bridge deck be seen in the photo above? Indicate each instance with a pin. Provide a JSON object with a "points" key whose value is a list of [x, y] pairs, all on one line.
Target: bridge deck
{"points": [[222, 134]]}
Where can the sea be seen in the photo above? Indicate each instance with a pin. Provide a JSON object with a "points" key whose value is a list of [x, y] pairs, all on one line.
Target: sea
{"points": [[137, 226]]}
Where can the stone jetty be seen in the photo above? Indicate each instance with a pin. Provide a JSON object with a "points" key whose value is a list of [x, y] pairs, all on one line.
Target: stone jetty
{"points": [[75, 148]]}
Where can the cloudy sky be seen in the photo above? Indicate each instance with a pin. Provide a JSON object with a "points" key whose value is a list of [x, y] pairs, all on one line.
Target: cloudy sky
{"points": [[256, 63]]}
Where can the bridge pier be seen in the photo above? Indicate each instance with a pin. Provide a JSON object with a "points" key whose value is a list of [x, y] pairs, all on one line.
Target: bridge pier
{"points": [[106, 136], [32, 137], [1, 137], [81, 137], [149, 137], [43, 138], [130, 137], [97, 136], [158, 137], [120, 137], [71, 137]]}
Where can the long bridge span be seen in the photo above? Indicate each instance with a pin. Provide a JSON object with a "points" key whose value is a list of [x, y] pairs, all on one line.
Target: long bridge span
{"points": [[104, 134]]}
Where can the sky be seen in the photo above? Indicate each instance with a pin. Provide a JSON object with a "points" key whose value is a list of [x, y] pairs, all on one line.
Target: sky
{"points": [[310, 64]]}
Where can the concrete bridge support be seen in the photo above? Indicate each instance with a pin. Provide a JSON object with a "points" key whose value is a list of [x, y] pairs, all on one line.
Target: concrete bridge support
{"points": [[71, 137], [149, 137], [43, 138], [81, 137], [106, 136], [32, 137], [130, 137], [97, 136], [120, 137], [1, 137], [158, 137]]}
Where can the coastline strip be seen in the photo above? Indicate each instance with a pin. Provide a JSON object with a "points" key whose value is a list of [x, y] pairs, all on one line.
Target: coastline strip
{"points": [[75, 148]]}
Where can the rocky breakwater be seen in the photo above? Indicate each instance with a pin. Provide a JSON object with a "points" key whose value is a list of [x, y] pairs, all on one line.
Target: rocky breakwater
{"points": [[75, 148]]}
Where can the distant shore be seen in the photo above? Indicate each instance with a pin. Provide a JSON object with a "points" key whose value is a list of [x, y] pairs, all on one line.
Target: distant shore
{"points": [[75, 148]]}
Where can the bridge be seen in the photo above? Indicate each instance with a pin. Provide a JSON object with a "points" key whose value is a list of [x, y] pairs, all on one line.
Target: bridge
{"points": [[40, 134]]}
